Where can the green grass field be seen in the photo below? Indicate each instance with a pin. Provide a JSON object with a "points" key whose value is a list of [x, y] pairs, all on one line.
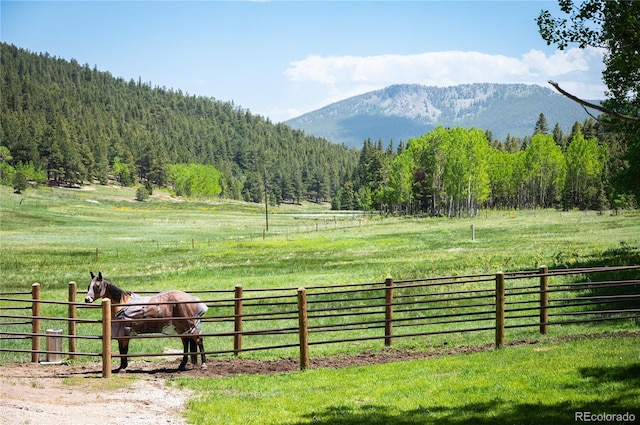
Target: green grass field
{"points": [[53, 236], [533, 384]]}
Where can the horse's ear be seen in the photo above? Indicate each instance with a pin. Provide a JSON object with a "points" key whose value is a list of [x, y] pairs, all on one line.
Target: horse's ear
{"points": [[92, 275], [99, 275]]}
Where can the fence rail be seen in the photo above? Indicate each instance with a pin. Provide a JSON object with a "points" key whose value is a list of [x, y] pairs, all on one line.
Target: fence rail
{"points": [[331, 314]]}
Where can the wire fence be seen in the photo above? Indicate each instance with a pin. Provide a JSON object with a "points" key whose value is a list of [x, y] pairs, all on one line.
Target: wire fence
{"points": [[243, 320]]}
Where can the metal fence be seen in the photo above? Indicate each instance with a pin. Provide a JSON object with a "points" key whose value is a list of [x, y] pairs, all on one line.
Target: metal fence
{"points": [[300, 318]]}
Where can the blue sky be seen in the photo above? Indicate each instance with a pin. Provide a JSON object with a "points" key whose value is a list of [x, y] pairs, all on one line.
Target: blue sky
{"points": [[281, 59]]}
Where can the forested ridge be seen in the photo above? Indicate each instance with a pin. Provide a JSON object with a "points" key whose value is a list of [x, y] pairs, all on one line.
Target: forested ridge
{"points": [[67, 123]]}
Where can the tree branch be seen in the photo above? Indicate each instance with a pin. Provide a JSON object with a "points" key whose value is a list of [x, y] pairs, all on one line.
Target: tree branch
{"points": [[593, 105]]}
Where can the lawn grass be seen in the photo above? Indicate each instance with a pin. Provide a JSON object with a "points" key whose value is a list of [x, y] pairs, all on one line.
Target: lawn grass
{"points": [[530, 384]]}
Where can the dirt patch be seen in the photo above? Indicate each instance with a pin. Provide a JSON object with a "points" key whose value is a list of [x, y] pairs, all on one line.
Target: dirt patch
{"points": [[36, 394], [31, 393]]}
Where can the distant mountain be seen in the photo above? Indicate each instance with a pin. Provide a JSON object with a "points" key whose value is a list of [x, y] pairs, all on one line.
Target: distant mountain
{"points": [[400, 112]]}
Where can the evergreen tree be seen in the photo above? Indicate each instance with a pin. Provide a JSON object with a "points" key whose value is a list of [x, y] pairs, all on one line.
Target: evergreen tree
{"points": [[541, 125], [589, 130], [513, 144], [20, 182], [558, 137]]}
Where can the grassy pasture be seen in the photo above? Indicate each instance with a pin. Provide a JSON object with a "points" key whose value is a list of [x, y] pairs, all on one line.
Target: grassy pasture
{"points": [[533, 384], [53, 236]]}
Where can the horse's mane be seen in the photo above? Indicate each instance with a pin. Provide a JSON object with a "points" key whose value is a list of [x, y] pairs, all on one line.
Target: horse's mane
{"points": [[115, 293]]}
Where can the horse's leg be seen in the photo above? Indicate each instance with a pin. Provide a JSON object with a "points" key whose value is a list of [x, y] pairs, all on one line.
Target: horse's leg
{"points": [[123, 348], [194, 351], [185, 347], [200, 341]]}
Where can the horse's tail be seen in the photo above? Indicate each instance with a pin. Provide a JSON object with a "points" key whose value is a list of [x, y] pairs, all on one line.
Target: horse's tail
{"points": [[201, 309], [196, 314]]}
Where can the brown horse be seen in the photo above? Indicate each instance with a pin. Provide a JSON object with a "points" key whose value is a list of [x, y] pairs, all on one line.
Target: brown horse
{"points": [[171, 312]]}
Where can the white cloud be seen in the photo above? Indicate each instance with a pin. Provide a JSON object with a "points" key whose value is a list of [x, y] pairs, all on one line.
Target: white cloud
{"points": [[564, 62], [344, 76], [438, 68]]}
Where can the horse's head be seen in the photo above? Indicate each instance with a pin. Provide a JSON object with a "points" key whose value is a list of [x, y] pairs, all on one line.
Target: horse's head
{"points": [[97, 288]]}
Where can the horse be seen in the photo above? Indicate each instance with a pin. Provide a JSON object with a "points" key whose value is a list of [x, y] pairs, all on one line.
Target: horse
{"points": [[171, 312]]}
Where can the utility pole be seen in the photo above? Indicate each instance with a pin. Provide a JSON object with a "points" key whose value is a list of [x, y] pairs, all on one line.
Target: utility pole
{"points": [[266, 202]]}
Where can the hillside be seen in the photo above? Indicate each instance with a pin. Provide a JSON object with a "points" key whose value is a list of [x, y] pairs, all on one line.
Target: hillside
{"points": [[401, 112], [74, 124]]}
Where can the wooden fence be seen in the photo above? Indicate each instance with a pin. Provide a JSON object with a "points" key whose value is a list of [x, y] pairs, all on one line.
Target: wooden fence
{"points": [[319, 315]]}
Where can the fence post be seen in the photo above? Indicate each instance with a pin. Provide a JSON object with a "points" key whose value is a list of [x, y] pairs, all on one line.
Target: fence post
{"points": [[303, 331], [388, 311], [544, 300], [73, 290], [35, 322], [499, 310], [237, 328], [106, 338]]}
